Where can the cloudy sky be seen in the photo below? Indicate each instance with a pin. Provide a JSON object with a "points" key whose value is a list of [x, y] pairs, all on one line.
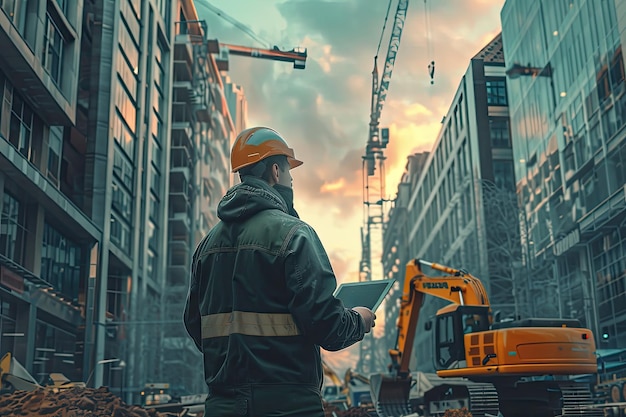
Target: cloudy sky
{"points": [[323, 111]]}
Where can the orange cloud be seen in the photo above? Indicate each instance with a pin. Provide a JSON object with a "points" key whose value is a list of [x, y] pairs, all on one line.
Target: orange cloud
{"points": [[333, 186]]}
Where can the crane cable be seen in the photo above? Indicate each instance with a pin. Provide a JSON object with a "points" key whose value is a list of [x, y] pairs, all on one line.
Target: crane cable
{"points": [[235, 23], [431, 65], [382, 33]]}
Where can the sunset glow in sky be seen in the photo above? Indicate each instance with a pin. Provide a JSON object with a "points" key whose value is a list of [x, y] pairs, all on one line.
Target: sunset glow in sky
{"points": [[323, 111]]}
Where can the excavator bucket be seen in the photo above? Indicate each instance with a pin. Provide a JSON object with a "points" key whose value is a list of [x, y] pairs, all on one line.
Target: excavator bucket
{"points": [[390, 395], [13, 376]]}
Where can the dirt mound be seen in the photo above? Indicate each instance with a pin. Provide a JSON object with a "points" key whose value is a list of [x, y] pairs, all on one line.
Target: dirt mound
{"points": [[74, 402], [462, 412], [332, 411]]}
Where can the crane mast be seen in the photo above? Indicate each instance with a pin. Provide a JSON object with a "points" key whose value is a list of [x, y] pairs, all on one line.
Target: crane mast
{"points": [[374, 179], [379, 91]]}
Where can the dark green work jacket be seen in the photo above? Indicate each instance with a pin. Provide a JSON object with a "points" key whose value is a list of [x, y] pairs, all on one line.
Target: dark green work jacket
{"points": [[261, 301]]}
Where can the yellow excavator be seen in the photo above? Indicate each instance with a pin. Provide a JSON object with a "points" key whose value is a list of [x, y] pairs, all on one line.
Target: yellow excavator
{"points": [[333, 393], [517, 368], [13, 376]]}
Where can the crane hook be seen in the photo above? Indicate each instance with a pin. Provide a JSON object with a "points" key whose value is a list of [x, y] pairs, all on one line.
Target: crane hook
{"points": [[431, 71]]}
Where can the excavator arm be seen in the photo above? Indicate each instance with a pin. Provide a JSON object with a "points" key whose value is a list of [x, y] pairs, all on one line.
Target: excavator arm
{"points": [[390, 393], [458, 287]]}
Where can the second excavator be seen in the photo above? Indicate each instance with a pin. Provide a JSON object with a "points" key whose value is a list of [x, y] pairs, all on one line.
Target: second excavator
{"points": [[517, 368]]}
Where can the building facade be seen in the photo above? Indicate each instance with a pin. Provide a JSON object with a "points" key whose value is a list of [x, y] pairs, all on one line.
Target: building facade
{"points": [[396, 250], [568, 132], [47, 239], [452, 198], [102, 182], [202, 132]]}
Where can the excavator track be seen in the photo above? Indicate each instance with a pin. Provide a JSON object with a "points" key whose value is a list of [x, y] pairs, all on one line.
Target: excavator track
{"points": [[481, 399], [577, 401]]}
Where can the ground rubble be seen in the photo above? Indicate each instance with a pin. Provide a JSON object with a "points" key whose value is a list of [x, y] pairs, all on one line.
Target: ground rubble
{"points": [[73, 402]]}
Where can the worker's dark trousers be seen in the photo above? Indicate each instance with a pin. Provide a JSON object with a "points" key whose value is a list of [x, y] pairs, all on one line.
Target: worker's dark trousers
{"points": [[280, 400]]}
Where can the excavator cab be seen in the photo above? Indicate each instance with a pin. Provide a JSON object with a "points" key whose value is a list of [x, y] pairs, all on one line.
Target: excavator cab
{"points": [[452, 324]]}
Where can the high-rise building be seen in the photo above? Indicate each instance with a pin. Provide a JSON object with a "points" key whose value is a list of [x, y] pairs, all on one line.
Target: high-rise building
{"points": [[396, 251], [114, 137], [568, 112], [47, 237], [450, 215], [202, 132]]}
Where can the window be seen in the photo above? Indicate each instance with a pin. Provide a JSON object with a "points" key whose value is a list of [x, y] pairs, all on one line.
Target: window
{"points": [[156, 128], [496, 92], [153, 235], [126, 108], [53, 50], [151, 264], [129, 46], [122, 201], [461, 113], [155, 183], [13, 232], [154, 208], [60, 262], [16, 12], [499, 133], [617, 68], [445, 341], [8, 323], [20, 131], [127, 75], [120, 233], [157, 153], [123, 169], [503, 174], [124, 136], [55, 146], [54, 352]]}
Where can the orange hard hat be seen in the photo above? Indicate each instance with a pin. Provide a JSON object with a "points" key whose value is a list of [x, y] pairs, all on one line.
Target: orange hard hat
{"points": [[257, 143]]}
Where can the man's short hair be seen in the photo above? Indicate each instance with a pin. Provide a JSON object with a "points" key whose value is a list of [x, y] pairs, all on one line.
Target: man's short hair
{"points": [[263, 169]]}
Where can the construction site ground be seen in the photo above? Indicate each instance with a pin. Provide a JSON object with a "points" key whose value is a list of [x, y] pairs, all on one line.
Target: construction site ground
{"points": [[100, 402], [74, 402]]}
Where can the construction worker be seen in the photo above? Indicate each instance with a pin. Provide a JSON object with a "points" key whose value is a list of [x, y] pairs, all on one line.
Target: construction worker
{"points": [[261, 302]]}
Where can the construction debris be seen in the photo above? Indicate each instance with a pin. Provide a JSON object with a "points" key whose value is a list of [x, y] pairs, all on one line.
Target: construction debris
{"points": [[462, 412], [332, 411], [74, 402]]}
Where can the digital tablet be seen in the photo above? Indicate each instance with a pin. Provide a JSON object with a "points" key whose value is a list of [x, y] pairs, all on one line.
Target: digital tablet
{"points": [[368, 294]]}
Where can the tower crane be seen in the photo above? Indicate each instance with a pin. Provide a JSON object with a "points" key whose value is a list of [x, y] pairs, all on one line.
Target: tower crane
{"points": [[374, 179], [297, 55]]}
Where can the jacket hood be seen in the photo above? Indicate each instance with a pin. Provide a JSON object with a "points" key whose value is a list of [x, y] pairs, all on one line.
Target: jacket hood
{"points": [[247, 198]]}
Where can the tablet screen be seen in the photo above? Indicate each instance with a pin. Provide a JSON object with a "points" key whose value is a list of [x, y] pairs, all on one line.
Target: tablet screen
{"points": [[368, 294]]}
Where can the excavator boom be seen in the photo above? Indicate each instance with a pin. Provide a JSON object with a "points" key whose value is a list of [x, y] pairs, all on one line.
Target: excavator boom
{"points": [[458, 287]]}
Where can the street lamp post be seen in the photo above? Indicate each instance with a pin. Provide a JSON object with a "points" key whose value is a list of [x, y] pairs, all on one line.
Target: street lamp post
{"points": [[122, 365], [100, 362]]}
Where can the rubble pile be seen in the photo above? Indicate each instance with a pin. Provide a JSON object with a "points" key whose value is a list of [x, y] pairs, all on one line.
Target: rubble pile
{"points": [[332, 411], [463, 412], [74, 402]]}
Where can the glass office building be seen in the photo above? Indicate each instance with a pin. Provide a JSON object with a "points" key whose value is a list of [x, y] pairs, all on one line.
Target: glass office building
{"points": [[567, 104]]}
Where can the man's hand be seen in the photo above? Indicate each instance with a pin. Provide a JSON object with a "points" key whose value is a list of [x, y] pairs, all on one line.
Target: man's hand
{"points": [[368, 316]]}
